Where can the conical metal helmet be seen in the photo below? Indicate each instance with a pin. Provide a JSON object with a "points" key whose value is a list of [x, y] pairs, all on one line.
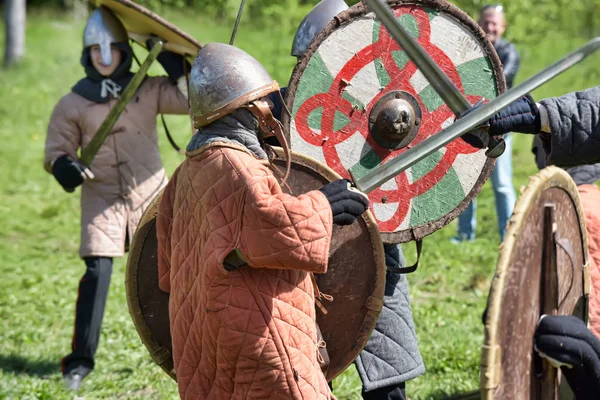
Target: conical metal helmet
{"points": [[103, 28], [223, 79], [314, 22]]}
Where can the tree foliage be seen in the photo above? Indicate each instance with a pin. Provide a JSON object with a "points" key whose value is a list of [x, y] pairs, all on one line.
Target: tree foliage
{"points": [[530, 21]]}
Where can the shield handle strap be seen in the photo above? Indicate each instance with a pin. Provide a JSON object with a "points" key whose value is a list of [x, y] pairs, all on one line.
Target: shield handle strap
{"points": [[412, 268], [547, 377]]}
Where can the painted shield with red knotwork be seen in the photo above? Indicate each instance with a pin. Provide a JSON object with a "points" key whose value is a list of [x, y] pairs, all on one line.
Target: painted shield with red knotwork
{"points": [[357, 101]]}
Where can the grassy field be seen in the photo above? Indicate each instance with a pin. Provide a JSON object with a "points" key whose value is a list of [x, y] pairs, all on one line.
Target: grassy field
{"points": [[39, 235]]}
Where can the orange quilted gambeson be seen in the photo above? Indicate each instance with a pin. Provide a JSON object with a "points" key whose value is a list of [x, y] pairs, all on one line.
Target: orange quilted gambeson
{"points": [[590, 197], [249, 333]]}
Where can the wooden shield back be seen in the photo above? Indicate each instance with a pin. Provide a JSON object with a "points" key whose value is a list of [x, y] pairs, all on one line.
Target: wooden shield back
{"points": [[141, 23], [355, 279], [542, 269]]}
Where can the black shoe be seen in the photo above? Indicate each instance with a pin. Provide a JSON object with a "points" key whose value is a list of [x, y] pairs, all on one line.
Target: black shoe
{"points": [[73, 380], [74, 376]]}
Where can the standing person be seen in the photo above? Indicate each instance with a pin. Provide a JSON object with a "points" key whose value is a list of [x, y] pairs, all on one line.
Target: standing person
{"points": [[391, 357], [127, 170], [493, 23], [237, 254]]}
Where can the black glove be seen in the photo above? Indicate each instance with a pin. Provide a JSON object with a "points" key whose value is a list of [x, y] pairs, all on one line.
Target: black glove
{"points": [[346, 203], [521, 116], [68, 172], [566, 341], [470, 138], [174, 64]]}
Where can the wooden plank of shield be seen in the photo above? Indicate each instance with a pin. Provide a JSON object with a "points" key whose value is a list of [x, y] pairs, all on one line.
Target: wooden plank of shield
{"points": [[542, 269]]}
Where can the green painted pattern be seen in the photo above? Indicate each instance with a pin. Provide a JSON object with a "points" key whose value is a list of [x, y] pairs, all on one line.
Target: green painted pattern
{"points": [[408, 22], [475, 72], [353, 101], [431, 13], [382, 75], [315, 79], [340, 121], [431, 205], [315, 117], [368, 162], [430, 98], [400, 59]]}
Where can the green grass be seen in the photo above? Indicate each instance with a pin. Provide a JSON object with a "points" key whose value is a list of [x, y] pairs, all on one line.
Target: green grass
{"points": [[39, 235]]}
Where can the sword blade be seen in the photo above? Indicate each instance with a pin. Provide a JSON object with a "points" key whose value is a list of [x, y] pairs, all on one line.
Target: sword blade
{"points": [[237, 22], [381, 174]]}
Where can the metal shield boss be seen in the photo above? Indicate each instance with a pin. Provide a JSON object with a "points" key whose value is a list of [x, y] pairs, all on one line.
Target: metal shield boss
{"points": [[357, 101], [352, 289], [542, 269]]}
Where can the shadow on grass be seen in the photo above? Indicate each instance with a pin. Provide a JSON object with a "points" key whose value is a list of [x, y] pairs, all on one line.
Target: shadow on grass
{"points": [[19, 365]]}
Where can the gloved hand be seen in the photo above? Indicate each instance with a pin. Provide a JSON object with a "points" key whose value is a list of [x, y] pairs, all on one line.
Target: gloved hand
{"points": [[68, 172], [567, 342], [470, 137], [521, 116], [172, 63], [346, 203]]}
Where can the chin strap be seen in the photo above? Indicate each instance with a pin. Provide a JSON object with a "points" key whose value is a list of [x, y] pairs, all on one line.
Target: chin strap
{"points": [[269, 126]]}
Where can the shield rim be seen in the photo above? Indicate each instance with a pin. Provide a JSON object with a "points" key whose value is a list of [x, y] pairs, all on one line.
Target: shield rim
{"points": [[163, 357], [190, 42], [159, 354], [491, 357], [361, 9]]}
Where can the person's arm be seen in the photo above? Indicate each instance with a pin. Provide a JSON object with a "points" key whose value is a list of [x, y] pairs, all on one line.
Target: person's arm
{"points": [[569, 125], [574, 125], [281, 231], [171, 99], [63, 136], [62, 142]]}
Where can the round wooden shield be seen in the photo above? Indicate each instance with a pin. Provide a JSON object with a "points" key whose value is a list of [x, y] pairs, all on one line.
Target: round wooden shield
{"points": [[542, 269], [141, 23], [349, 74], [355, 279]]}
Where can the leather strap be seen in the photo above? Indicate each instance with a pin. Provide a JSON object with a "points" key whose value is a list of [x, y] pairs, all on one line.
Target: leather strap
{"points": [[270, 126], [169, 137], [412, 268]]}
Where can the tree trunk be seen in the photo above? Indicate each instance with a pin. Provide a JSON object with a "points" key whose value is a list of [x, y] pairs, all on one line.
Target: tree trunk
{"points": [[14, 20]]}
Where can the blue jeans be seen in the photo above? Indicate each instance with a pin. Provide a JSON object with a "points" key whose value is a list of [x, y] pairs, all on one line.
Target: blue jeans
{"points": [[504, 193]]}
